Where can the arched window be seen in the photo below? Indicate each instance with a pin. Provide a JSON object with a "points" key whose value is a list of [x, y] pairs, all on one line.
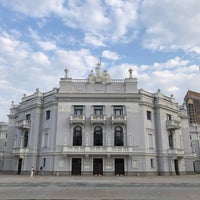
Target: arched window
{"points": [[26, 139], [98, 136], [77, 136], [170, 138], [119, 141]]}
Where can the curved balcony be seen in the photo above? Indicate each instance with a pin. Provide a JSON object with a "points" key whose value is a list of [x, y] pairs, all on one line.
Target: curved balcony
{"points": [[118, 119], [20, 151], [77, 119], [23, 124], [98, 119], [172, 124], [176, 152]]}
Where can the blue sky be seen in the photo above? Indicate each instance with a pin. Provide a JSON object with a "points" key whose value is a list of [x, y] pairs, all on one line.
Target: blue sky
{"points": [[159, 40]]}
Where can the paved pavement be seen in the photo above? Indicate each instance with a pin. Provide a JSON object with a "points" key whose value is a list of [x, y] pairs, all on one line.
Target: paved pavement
{"points": [[101, 187]]}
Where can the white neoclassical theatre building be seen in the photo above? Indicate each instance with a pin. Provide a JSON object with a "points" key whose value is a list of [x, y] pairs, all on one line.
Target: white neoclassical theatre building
{"points": [[98, 126]]}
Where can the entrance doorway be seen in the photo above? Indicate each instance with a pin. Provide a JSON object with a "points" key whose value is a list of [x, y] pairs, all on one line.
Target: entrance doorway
{"points": [[98, 166], [19, 166], [76, 166], [119, 166], [176, 167]]}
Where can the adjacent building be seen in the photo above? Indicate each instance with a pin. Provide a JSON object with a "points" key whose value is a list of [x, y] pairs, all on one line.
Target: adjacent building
{"points": [[3, 142], [99, 126], [192, 101]]}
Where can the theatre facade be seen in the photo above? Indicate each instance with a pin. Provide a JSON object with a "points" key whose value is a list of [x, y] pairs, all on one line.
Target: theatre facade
{"points": [[98, 126]]}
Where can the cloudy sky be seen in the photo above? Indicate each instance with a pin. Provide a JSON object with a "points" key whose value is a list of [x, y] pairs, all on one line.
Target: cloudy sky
{"points": [[158, 39]]}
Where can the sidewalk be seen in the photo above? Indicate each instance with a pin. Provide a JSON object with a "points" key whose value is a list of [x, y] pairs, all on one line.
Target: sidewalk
{"points": [[100, 188], [195, 179]]}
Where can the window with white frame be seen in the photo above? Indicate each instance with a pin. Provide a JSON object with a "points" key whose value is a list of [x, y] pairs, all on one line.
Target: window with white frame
{"points": [[118, 110], [77, 136], [98, 136], [119, 136], [98, 110], [78, 110]]}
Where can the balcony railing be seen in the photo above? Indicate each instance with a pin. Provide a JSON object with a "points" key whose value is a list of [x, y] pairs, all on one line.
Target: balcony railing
{"points": [[98, 119], [173, 124], [116, 119], [94, 150], [23, 124], [176, 152], [20, 151], [77, 119]]}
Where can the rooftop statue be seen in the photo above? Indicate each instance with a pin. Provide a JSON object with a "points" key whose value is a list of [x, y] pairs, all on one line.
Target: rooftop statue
{"points": [[91, 77], [106, 77], [100, 77]]}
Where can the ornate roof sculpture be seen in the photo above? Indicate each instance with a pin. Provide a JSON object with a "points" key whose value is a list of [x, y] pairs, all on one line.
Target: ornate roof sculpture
{"points": [[100, 77]]}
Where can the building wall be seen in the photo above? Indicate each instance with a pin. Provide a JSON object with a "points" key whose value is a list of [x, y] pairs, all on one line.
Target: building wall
{"points": [[3, 142], [41, 131]]}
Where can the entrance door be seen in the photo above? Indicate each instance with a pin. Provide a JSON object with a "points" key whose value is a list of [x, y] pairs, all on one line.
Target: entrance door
{"points": [[119, 166], [176, 167], [19, 166], [98, 166], [76, 166]]}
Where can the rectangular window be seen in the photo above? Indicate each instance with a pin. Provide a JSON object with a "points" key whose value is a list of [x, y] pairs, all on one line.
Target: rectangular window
{"points": [[171, 139], [191, 113], [148, 115], [78, 110], [44, 162], [98, 110], [48, 114], [118, 110], [152, 163], [169, 117], [28, 117]]}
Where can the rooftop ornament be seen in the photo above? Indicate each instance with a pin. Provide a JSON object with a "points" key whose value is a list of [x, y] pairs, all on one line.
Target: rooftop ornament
{"points": [[99, 77]]}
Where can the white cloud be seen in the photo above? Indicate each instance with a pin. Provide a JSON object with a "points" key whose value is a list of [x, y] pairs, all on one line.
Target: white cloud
{"points": [[172, 89], [47, 46], [110, 55], [122, 71], [35, 8], [171, 63], [124, 16], [7, 43], [40, 58], [177, 26], [101, 21], [78, 62], [94, 40]]}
